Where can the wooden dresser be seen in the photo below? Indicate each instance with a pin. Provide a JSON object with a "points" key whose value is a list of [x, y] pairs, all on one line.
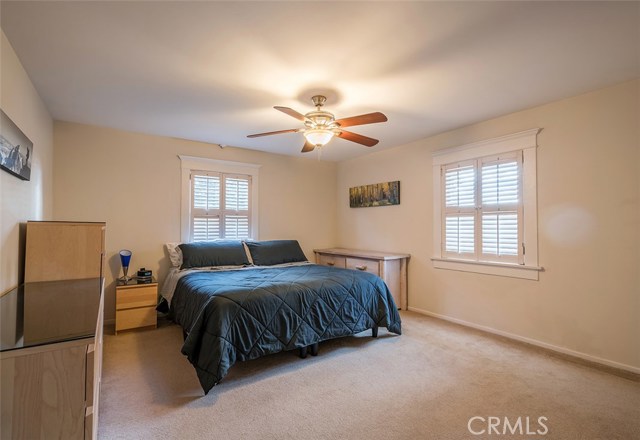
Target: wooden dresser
{"points": [[391, 267], [51, 335]]}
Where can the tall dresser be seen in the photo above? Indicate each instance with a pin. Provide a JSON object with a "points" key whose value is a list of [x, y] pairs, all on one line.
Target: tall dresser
{"points": [[51, 335]]}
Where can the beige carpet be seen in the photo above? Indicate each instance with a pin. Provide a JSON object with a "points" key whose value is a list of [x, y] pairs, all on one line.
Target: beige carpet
{"points": [[426, 384]]}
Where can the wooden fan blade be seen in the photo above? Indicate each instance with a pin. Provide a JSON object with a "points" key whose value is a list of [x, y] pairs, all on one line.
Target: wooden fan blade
{"points": [[291, 112], [308, 146], [269, 133], [358, 138], [369, 118]]}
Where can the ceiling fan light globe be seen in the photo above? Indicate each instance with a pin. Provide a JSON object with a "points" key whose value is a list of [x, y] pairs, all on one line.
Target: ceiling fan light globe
{"points": [[318, 137]]}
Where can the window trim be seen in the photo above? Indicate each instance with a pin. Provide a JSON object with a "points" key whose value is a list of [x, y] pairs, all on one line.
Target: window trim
{"points": [[525, 141], [191, 164]]}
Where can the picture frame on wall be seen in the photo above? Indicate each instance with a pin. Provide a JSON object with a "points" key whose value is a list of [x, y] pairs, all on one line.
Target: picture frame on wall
{"points": [[16, 150], [377, 194]]}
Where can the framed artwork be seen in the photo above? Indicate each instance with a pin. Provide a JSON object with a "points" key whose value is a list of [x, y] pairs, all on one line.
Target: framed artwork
{"points": [[377, 194], [16, 150]]}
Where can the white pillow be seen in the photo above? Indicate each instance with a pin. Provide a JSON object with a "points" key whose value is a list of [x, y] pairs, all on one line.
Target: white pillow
{"points": [[247, 251], [175, 254]]}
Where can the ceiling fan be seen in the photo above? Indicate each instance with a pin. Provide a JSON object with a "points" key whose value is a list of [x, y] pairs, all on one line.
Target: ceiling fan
{"points": [[321, 126]]}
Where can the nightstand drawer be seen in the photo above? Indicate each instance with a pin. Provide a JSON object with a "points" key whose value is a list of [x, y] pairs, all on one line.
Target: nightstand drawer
{"points": [[129, 298], [371, 266], [134, 318]]}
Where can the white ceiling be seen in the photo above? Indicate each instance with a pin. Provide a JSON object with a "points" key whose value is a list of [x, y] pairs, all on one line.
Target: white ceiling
{"points": [[212, 71]]}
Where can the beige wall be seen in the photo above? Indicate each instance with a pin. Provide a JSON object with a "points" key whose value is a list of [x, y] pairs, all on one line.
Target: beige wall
{"points": [[132, 181], [22, 200], [587, 300]]}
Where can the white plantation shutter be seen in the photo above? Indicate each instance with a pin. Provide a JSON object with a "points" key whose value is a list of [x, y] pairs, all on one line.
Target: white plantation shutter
{"points": [[500, 234], [237, 215], [236, 226], [459, 213], [482, 212], [500, 182], [205, 206], [501, 208], [459, 234], [206, 228], [219, 206], [460, 186], [237, 193], [206, 192]]}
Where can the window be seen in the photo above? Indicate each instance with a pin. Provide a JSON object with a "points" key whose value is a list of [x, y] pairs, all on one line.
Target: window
{"points": [[220, 206], [482, 209], [219, 199], [485, 207]]}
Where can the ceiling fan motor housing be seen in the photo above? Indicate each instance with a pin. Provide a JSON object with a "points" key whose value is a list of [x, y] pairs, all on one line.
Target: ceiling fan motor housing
{"points": [[319, 119]]}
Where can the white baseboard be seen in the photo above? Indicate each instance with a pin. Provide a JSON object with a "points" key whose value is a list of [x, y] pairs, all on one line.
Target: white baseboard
{"points": [[535, 342]]}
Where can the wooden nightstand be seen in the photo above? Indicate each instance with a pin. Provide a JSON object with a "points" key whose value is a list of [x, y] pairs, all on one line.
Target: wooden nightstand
{"points": [[136, 304]]}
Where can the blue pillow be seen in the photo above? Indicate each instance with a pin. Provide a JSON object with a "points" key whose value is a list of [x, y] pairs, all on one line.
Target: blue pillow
{"points": [[268, 253], [213, 253]]}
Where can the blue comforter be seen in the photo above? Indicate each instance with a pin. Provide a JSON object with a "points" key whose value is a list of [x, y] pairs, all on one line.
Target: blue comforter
{"points": [[244, 314]]}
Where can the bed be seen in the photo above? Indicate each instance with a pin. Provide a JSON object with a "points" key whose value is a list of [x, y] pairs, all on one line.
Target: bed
{"points": [[240, 301]]}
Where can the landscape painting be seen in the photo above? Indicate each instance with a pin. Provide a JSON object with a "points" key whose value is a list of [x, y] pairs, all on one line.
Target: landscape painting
{"points": [[16, 150], [377, 194]]}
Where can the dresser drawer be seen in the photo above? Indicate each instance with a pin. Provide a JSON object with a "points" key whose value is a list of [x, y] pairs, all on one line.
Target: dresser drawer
{"points": [[371, 266], [130, 298], [331, 260], [134, 318]]}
